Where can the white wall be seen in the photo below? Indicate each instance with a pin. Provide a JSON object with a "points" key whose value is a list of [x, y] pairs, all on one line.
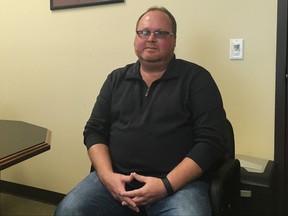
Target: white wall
{"points": [[54, 63]]}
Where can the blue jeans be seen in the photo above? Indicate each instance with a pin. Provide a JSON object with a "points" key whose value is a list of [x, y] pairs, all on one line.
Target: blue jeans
{"points": [[90, 197]]}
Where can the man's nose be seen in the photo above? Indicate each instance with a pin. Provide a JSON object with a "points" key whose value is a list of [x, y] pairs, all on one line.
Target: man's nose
{"points": [[152, 37]]}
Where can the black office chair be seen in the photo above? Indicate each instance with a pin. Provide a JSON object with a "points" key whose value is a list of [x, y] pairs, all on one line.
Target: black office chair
{"points": [[225, 185]]}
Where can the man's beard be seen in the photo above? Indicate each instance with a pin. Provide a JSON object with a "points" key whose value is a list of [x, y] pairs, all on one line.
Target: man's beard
{"points": [[151, 58]]}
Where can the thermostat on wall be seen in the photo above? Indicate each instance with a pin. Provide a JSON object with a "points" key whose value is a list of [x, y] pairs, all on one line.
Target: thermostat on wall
{"points": [[236, 49]]}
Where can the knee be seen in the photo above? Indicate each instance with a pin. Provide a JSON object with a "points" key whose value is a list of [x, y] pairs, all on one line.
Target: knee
{"points": [[59, 210], [62, 210], [67, 207]]}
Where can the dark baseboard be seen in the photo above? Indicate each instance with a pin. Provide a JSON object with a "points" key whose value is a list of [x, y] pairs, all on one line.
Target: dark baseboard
{"points": [[29, 192]]}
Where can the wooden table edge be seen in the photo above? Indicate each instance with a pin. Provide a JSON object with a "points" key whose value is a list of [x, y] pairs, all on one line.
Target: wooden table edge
{"points": [[26, 153]]}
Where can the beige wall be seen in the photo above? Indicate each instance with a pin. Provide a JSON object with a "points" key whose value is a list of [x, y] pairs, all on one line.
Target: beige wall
{"points": [[53, 64]]}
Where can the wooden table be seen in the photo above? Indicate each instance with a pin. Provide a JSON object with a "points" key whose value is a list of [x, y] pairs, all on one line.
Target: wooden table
{"points": [[20, 141]]}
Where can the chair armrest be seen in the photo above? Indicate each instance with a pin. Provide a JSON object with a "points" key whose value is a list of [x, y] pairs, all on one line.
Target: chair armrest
{"points": [[225, 187]]}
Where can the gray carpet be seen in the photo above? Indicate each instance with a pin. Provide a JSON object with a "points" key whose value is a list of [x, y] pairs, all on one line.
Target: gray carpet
{"points": [[18, 206]]}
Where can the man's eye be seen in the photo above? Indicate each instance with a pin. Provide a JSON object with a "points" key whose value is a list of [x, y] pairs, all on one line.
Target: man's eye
{"points": [[161, 33], [145, 33]]}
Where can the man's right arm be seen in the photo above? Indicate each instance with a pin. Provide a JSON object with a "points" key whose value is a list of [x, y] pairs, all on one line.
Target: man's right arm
{"points": [[114, 182], [100, 159]]}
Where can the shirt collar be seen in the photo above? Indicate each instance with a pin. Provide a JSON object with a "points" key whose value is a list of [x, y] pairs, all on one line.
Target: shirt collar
{"points": [[170, 73]]}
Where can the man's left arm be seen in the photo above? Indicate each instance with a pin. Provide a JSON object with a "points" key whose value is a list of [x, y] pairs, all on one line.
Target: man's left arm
{"points": [[184, 173]]}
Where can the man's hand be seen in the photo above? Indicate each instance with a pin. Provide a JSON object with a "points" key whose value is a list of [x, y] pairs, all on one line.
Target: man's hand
{"points": [[151, 192], [115, 184]]}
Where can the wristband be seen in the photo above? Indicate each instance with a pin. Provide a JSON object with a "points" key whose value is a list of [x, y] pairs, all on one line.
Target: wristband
{"points": [[167, 185]]}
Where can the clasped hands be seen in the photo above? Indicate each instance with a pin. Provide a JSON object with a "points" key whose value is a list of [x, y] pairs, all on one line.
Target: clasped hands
{"points": [[152, 191]]}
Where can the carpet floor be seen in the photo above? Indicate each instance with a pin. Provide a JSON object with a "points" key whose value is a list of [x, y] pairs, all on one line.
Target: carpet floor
{"points": [[11, 205]]}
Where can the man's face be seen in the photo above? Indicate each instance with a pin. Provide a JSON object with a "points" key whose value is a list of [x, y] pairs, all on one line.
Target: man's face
{"points": [[152, 49]]}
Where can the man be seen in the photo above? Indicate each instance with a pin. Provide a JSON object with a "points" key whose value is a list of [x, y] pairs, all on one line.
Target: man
{"points": [[155, 133]]}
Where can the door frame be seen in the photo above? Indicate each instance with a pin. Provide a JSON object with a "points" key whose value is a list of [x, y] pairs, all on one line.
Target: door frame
{"points": [[281, 108]]}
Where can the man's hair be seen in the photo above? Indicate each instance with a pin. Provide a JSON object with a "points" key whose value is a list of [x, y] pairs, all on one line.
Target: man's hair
{"points": [[164, 10]]}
